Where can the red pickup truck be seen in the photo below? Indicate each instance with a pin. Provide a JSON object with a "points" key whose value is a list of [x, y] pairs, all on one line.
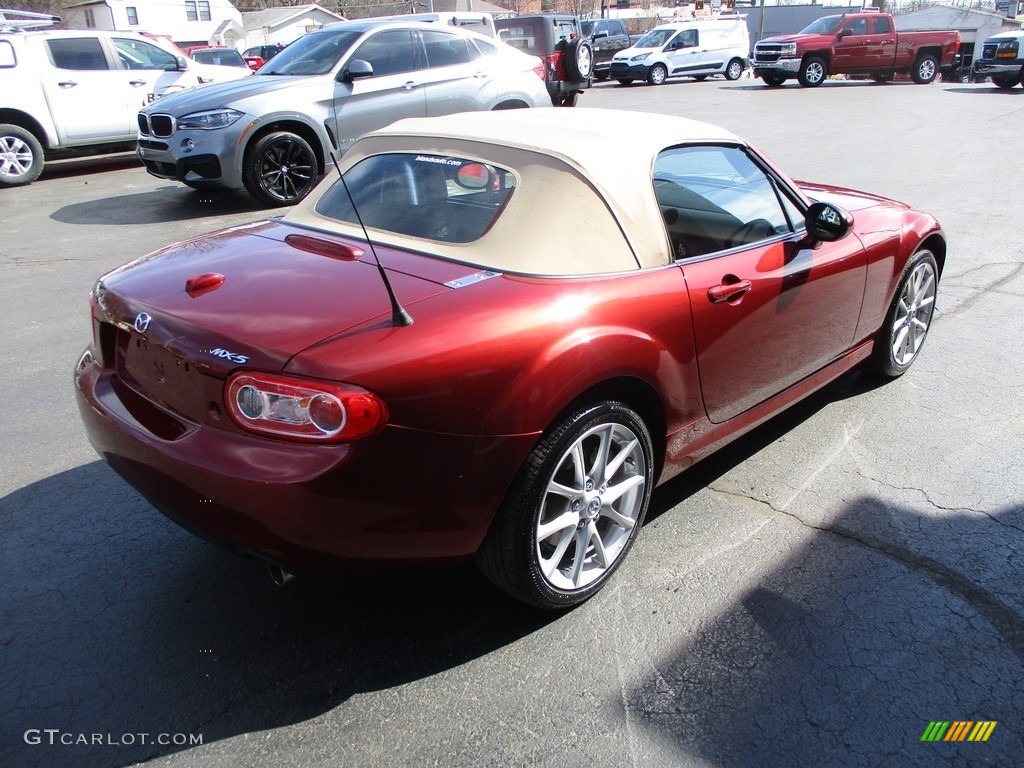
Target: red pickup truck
{"points": [[855, 44]]}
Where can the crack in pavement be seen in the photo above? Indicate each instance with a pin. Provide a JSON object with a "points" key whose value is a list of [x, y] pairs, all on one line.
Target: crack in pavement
{"points": [[1002, 617], [981, 293]]}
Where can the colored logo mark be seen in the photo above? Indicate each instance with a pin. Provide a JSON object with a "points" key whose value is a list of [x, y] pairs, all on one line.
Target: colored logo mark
{"points": [[958, 730]]}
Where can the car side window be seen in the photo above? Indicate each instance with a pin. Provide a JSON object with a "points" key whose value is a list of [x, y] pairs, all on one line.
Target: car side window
{"points": [[78, 53], [138, 54], [714, 198], [389, 52], [857, 27], [880, 25], [445, 49], [686, 39], [483, 48]]}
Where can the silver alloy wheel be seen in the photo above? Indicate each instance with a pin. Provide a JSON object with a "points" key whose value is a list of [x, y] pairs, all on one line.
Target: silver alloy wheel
{"points": [[815, 72], [734, 71], [591, 506], [15, 157], [913, 314], [926, 70]]}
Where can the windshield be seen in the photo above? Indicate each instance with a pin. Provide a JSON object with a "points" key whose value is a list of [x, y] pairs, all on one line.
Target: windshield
{"points": [[656, 38], [314, 54], [823, 26]]}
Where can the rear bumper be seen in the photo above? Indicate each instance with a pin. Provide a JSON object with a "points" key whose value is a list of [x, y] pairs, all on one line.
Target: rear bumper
{"points": [[402, 497]]}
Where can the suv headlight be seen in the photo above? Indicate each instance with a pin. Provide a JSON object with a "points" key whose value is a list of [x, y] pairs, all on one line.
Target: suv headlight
{"points": [[209, 120], [640, 57]]}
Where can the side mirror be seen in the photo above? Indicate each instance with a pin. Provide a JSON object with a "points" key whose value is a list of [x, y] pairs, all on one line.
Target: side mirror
{"points": [[356, 69], [180, 65], [599, 35], [826, 223], [844, 33]]}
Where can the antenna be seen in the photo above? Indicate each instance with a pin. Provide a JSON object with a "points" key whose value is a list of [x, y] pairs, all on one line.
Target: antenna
{"points": [[14, 21], [398, 314]]}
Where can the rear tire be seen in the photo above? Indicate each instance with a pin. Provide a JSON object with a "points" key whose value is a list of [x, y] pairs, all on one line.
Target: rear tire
{"points": [[906, 325], [813, 72], [773, 81], [280, 169], [625, 80], [21, 156], [734, 71], [700, 78], [574, 509], [925, 69], [883, 77], [567, 99]]}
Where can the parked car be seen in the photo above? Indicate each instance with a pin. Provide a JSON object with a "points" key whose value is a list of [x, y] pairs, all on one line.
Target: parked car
{"points": [[218, 55], [856, 44], [274, 134], [75, 92], [697, 48], [558, 40], [608, 36], [572, 320], [1002, 59], [259, 55]]}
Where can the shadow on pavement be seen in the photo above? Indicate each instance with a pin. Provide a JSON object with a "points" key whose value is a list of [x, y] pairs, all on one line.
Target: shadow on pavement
{"points": [[845, 652], [174, 202], [114, 621]]}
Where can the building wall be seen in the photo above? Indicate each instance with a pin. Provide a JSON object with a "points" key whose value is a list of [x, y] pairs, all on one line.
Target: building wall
{"points": [[164, 17]]}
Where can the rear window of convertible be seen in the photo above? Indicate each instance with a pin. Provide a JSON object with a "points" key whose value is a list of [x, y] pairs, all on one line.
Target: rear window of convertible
{"points": [[434, 197]]}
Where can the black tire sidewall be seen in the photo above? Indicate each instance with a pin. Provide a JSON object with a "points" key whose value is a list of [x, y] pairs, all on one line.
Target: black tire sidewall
{"points": [[806, 65], [518, 518], [917, 69], [252, 168], [36, 168], [572, 62], [881, 357]]}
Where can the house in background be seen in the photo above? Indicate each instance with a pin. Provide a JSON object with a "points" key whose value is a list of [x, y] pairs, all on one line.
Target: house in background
{"points": [[186, 22], [285, 24]]}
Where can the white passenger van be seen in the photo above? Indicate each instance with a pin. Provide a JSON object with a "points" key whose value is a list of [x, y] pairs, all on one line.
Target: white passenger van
{"points": [[695, 48]]}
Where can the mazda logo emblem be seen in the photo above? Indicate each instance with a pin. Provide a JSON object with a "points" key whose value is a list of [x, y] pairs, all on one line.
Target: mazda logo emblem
{"points": [[142, 321]]}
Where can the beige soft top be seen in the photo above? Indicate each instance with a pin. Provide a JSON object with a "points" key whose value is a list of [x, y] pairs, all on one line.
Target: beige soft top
{"points": [[584, 202]]}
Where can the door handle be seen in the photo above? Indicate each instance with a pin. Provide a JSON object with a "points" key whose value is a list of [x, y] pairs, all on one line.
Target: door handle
{"points": [[408, 86], [67, 84], [727, 291], [136, 83]]}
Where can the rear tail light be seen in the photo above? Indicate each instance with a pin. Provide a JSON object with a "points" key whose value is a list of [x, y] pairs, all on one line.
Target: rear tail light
{"points": [[540, 69], [303, 409]]}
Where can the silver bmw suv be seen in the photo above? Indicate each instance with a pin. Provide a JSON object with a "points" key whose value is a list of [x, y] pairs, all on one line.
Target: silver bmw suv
{"points": [[272, 134]]}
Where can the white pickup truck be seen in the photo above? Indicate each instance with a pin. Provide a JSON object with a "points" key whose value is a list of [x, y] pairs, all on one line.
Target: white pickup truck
{"points": [[65, 93]]}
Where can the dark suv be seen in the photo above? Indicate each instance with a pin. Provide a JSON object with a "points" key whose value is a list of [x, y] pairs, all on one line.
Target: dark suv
{"points": [[609, 36], [558, 40]]}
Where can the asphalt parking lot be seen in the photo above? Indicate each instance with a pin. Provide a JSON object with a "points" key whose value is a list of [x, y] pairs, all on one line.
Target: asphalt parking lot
{"points": [[815, 594]]}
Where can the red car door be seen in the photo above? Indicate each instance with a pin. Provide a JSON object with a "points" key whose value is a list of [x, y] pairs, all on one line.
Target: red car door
{"points": [[852, 49], [767, 309]]}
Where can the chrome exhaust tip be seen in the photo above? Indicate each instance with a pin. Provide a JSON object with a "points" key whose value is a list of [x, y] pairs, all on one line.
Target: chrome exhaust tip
{"points": [[279, 575]]}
